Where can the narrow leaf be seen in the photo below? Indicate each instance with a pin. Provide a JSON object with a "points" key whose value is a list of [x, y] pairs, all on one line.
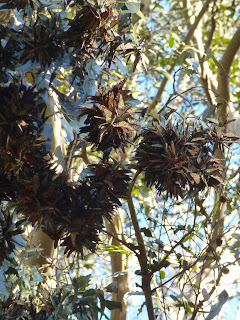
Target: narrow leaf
{"points": [[113, 305]]}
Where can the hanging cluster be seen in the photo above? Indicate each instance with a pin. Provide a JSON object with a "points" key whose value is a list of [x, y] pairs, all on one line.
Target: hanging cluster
{"points": [[17, 4], [174, 158], [8, 49], [41, 41], [83, 28], [71, 214], [21, 120], [110, 179], [95, 198], [8, 231], [110, 121]]}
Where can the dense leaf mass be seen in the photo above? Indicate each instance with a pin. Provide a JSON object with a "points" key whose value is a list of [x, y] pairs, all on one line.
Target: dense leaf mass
{"points": [[174, 157], [18, 4]]}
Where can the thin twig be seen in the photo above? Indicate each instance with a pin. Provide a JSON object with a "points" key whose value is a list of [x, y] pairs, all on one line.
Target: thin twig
{"points": [[185, 42]]}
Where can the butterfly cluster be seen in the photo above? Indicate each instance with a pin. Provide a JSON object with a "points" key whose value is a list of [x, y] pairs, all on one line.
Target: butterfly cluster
{"points": [[175, 158], [110, 122]]}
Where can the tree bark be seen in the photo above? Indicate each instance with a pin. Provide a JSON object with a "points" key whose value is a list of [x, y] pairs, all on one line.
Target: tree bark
{"points": [[119, 263], [143, 261], [223, 98], [222, 113], [39, 238]]}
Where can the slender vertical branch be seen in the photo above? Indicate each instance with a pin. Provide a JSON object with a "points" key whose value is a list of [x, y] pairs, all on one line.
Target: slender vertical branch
{"points": [[222, 112], [119, 264], [185, 42], [143, 261]]}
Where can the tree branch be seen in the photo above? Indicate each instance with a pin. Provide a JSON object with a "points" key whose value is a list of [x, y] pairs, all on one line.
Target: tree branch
{"points": [[185, 42], [143, 261], [222, 112], [223, 74]]}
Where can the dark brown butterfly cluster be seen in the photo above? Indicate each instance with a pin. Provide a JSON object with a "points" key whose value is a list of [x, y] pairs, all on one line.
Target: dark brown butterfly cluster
{"points": [[69, 214], [8, 230], [8, 58], [17, 4], [42, 41], [94, 199], [21, 121], [110, 122], [175, 158], [111, 178], [14, 308], [86, 36]]}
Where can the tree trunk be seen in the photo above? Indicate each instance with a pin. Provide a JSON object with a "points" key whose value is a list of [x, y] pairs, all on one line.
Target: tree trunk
{"points": [[39, 238], [119, 263]]}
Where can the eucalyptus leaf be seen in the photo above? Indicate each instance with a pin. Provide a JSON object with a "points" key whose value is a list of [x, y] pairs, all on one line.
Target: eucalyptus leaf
{"points": [[208, 112], [133, 7], [111, 305], [4, 293], [216, 308]]}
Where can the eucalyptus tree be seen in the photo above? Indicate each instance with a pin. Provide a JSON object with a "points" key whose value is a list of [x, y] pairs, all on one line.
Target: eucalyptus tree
{"points": [[115, 149]]}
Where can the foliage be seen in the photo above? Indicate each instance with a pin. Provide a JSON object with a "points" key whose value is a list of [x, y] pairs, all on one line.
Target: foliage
{"points": [[80, 64]]}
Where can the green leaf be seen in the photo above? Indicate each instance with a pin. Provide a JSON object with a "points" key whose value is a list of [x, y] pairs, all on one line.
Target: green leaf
{"points": [[3, 290], [133, 7], [82, 282], [209, 257], [165, 73], [59, 155], [183, 56], [141, 308], [165, 264], [111, 305], [112, 287], [236, 235], [189, 237], [174, 298], [171, 41], [120, 249], [216, 308], [147, 209], [151, 254], [205, 294], [162, 274], [135, 192], [208, 112], [136, 293], [132, 102]]}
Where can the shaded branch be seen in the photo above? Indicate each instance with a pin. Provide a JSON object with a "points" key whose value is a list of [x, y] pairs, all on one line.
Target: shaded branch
{"points": [[143, 261]]}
